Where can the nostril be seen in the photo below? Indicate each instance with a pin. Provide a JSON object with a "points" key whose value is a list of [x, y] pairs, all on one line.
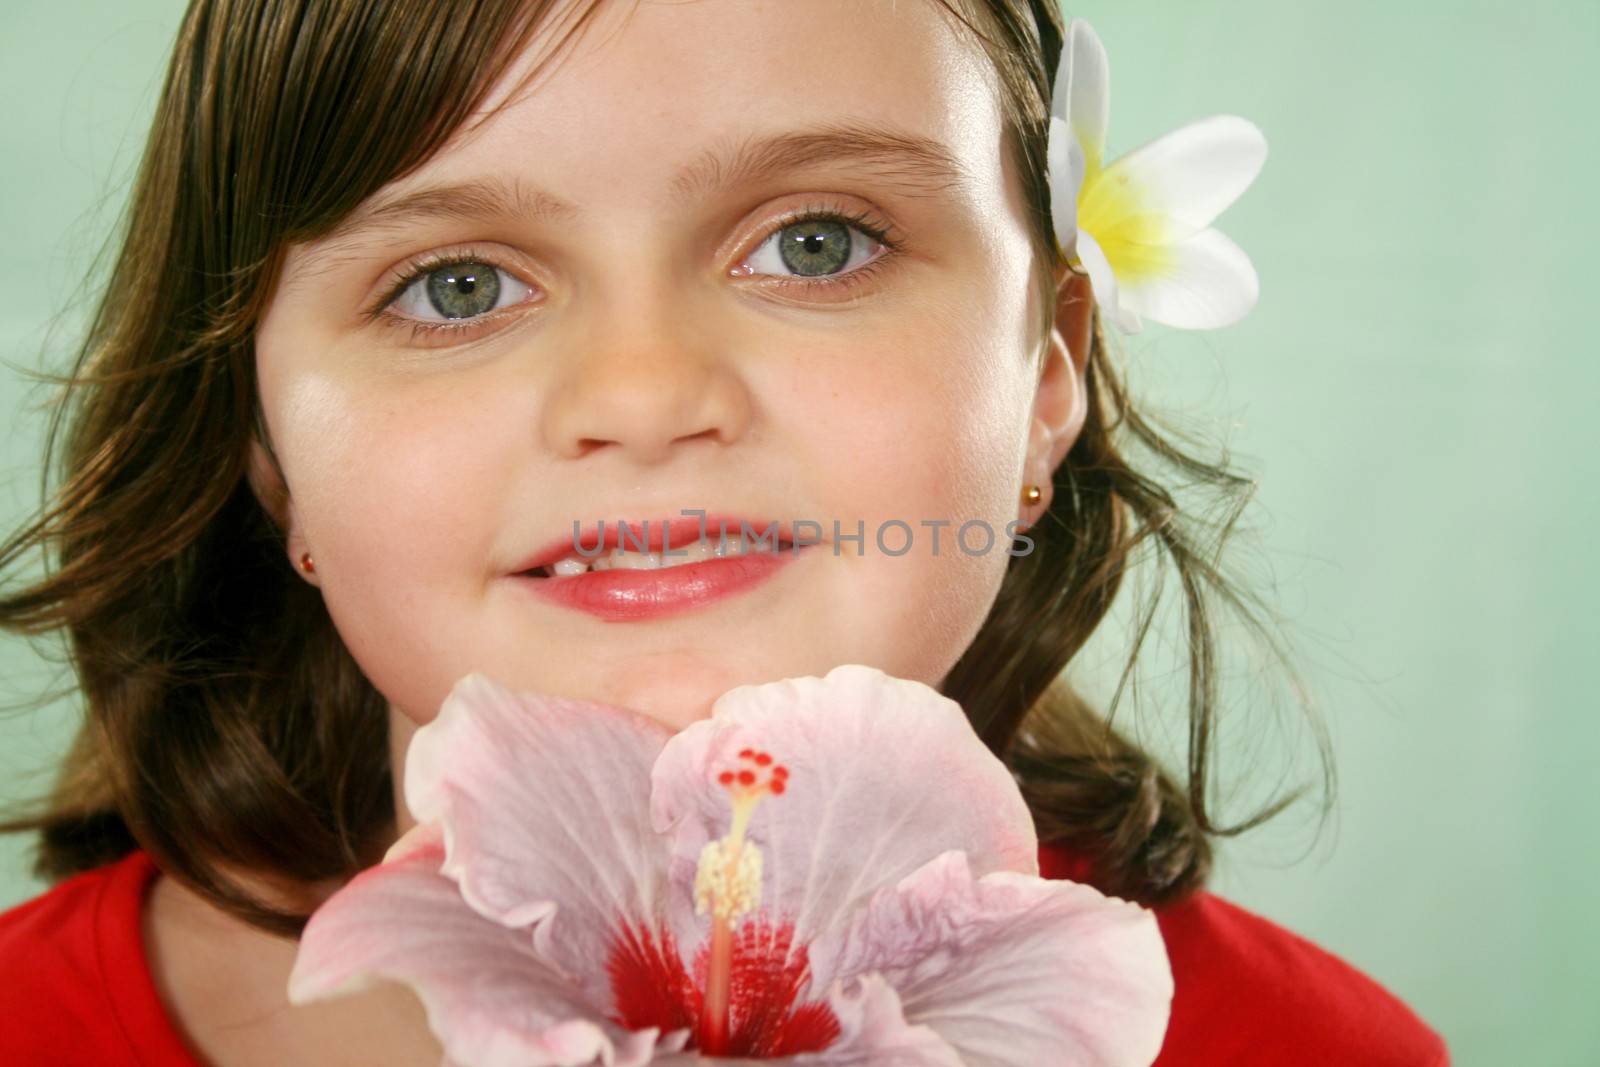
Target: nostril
{"points": [[713, 432]]}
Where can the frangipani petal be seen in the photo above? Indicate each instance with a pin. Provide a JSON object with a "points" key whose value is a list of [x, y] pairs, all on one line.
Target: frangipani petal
{"points": [[1065, 170], [1014, 970], [1083, 91], [490, 997], [882, 772], [1205, 282], [1189, 175], [1103, 282], [545, 807]]}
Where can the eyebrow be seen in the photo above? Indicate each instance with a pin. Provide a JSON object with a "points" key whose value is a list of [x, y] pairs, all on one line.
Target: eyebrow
{"points": [[915, 165]]}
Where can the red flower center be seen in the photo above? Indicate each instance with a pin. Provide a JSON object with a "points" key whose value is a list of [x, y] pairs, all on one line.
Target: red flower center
{"points": [[651, 987], [740, 999]]}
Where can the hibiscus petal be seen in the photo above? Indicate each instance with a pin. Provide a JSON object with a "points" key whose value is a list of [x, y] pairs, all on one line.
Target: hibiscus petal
{"points": [[545, 807], [490, 998], [1083, 91], [1206, 281], [1015, 971], [1193, 173], [874, 1031], [883, 773], [1103, 283]]}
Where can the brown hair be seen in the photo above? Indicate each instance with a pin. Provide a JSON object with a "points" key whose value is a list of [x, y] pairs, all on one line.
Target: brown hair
{"points": [[227, 729]]}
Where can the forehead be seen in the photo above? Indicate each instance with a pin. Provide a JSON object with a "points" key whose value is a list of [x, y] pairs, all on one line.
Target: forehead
{"points": [[653, 98]]}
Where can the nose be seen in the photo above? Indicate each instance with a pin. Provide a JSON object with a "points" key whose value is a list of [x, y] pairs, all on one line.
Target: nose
{"points": [[644, 383]]}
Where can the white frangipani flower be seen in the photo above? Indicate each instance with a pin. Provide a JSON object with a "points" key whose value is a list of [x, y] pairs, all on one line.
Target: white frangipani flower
{"points": [[1141, 225]]}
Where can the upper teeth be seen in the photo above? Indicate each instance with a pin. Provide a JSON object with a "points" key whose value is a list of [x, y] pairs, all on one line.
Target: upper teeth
{"points": [[694, 552]]}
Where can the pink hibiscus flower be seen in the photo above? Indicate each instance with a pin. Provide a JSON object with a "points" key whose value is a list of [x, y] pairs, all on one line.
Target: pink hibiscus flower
{"points": [[828, 871]]}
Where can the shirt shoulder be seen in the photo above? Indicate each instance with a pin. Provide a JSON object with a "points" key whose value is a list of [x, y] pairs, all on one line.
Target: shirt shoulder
{"points": [[75, 987], [1248, 991]]}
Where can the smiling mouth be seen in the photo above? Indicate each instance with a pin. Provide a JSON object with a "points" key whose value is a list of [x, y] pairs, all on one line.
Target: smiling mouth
{"points": [[696, 552]]}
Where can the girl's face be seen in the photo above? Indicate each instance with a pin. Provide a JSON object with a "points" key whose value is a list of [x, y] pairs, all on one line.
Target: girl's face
{"points": [[629, 341]]}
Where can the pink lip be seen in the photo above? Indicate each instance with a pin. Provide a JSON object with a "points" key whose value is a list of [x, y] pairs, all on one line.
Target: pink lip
{"points": [[628, 595]]}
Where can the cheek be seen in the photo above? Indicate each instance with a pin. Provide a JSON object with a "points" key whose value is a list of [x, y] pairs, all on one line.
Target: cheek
{"points": [[391, 481], [918, 427], [397, 491], [929, 422]]}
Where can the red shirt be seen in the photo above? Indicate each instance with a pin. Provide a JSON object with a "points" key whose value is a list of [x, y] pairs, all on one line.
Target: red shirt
{"points": [[75, 987]]}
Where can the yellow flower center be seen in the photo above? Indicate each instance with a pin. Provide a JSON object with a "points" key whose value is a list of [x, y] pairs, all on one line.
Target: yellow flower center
{"points": [[1118, 213]]}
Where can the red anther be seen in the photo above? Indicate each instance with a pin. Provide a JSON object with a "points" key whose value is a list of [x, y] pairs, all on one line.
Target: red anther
{"points": [[776, 786], [746, 753], [780, 771], [762, 759], [747, 778], [726, 777]]}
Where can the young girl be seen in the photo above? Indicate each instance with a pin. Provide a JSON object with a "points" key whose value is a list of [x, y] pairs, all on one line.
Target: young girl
{"points": [[409, 292]]}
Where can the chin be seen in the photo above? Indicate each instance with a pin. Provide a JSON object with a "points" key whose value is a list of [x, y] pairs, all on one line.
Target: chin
{"points": [[675, 689]]}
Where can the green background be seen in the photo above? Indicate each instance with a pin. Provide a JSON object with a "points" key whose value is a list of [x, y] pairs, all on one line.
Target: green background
{"points": [[1414, 393]]}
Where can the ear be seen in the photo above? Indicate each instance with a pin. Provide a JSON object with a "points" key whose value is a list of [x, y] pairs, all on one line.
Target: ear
{"points": [[266, 481], [1061, 402]]}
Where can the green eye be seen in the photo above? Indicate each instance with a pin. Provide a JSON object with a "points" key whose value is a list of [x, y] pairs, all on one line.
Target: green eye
{"points": [[818, 246], [465, 289], [815, 247]]}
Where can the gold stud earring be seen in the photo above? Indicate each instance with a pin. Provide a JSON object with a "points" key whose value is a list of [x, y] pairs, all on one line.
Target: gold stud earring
{"points": [[1031, 494], [306, 564]]}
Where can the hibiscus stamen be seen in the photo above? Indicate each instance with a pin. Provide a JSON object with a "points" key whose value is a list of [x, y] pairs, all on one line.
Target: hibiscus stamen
{"points": [[727, 883]]}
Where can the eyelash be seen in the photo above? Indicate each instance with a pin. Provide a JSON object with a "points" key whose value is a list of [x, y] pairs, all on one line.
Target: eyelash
{"points": [[849, 281]]}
